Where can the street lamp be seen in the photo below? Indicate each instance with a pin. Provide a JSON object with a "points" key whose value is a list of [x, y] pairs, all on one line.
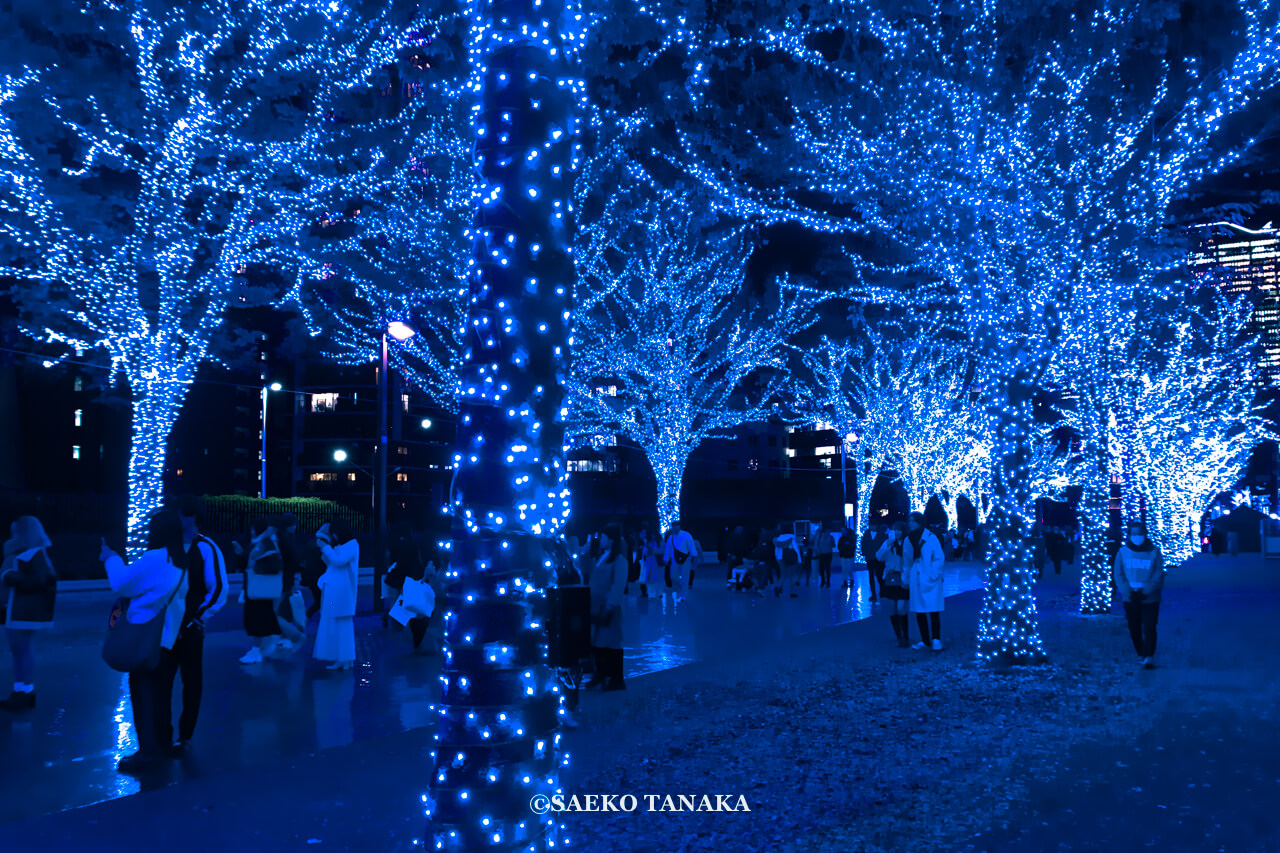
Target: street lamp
{"points": [[339, 456], [426, 423], [850, 439], [402, 333], [274, 386]]}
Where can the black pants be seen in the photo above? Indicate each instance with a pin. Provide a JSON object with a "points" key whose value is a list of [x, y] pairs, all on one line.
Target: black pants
{"points": [[187, 660], [875, 574], [418, 628], [1142, 617], [933, 621], [150, 694], [824, 567]]}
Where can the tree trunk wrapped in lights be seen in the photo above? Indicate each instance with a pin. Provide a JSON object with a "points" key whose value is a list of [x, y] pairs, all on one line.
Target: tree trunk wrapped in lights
{"points": [[497, 745]]}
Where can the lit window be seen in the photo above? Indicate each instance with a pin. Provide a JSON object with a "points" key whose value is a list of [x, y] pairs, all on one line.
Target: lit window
{"points": [[351, 477], [177, 473], [324, 402], [75, 451], [824, 451], [79, 383], [404, 401], [402, 477], [79, 416], [403, 451], [791, 452], [324, 477]]}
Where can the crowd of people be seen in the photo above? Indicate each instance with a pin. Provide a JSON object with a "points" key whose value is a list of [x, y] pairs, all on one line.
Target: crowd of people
{"points": [[168, 594]]}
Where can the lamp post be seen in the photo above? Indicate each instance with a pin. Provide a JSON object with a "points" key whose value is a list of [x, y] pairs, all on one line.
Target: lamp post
{"points": [[274, 386], [402, 333], [849, 439]]}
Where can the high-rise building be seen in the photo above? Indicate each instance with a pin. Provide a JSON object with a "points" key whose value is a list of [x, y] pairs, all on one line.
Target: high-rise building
{"points": [[1246, 262]]}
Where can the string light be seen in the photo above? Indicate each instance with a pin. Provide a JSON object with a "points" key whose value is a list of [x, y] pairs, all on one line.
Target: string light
{"points": [[496, 741], [670, 352]]}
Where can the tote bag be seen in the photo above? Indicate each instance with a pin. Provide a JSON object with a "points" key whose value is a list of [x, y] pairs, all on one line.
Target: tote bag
{"points": [[131, 647], [259, 586]]}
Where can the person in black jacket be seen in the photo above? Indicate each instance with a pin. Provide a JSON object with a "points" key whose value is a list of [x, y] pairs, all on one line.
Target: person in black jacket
{"points": [[872, 539], [29, 588]]}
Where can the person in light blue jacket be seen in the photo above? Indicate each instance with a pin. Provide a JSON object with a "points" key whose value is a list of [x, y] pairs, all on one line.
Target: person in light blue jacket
{"points": [[1139, 577]]}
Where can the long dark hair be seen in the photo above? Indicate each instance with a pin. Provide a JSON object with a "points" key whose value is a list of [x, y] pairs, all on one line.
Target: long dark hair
{"points": [[165, 531], [617, 543], [340, 531]]}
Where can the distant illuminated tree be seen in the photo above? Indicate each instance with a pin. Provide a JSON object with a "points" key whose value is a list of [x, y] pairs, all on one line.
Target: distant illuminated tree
{"points": [[900, 388], [671, 349], [148, 152]]}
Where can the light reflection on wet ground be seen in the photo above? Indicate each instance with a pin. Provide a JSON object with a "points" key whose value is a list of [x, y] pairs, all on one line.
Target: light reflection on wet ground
{"points": [[63, 754]]}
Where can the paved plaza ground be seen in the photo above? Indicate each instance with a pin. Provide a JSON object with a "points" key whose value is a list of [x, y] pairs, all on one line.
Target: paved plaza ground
{"points": [[838, 740]]}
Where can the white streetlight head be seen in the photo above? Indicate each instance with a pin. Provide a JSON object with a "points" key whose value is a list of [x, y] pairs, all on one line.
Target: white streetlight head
{"points": [[339, 456], [276, 386], [851, 438], [400, 331], [426, 423]]}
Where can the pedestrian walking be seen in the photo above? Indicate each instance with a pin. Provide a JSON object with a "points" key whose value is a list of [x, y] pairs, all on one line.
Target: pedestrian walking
{"points": [[336, 636], [263, 589], [679, 551], [826, 551], [608, 585], [154, 585], [922, 558], [893, 585], [207, 588], [30, 590], [1139, 577]]}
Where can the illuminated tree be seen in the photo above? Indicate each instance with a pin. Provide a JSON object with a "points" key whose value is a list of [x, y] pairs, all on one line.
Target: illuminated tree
{"points": [[674, 350], [900, 388], [147, 153], [1028, 159], [390, 202], [497, 745], [1187, 398]]}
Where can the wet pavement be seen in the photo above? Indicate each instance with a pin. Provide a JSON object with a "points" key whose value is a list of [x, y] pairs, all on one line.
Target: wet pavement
{"points": [[62, 755]]}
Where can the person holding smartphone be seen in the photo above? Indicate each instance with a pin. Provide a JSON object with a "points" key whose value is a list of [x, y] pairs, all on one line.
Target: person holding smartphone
{"points": [[893, 586]]}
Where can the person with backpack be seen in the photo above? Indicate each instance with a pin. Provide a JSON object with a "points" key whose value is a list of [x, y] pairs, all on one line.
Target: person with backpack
{"points": [[1138, 571], [207, 588], [893, 583], [679, 551], [29, 589], [263, 588]]}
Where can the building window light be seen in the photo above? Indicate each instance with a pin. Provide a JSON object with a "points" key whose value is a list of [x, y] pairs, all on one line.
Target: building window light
{"points": [[324, 402]]}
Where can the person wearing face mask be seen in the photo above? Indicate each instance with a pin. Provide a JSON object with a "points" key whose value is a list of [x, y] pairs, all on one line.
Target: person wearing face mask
{"points": [[922, 559], [1139, 577]]}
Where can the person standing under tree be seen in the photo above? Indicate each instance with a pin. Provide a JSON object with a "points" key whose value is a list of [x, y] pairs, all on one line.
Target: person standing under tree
{"points": [[680, 550], [28, 591], [893, 584], [872, 540], [1139, 577], [608, 588], [336, 636], [923, 559], [207, 588], [848, 551]]}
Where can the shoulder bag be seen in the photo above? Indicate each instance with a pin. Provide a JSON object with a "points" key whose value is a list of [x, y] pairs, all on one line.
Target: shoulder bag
{"points": [[131, 647]]}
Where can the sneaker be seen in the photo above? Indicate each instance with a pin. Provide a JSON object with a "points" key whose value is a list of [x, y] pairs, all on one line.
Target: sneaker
{"points": [[254, 655], [179, 749], [1148, 663], [937, 645], [918, 646]]}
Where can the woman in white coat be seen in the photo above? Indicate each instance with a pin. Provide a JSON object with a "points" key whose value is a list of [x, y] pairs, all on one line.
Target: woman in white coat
{"points": [[922, 555], [155, 582], [336, 636]]}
